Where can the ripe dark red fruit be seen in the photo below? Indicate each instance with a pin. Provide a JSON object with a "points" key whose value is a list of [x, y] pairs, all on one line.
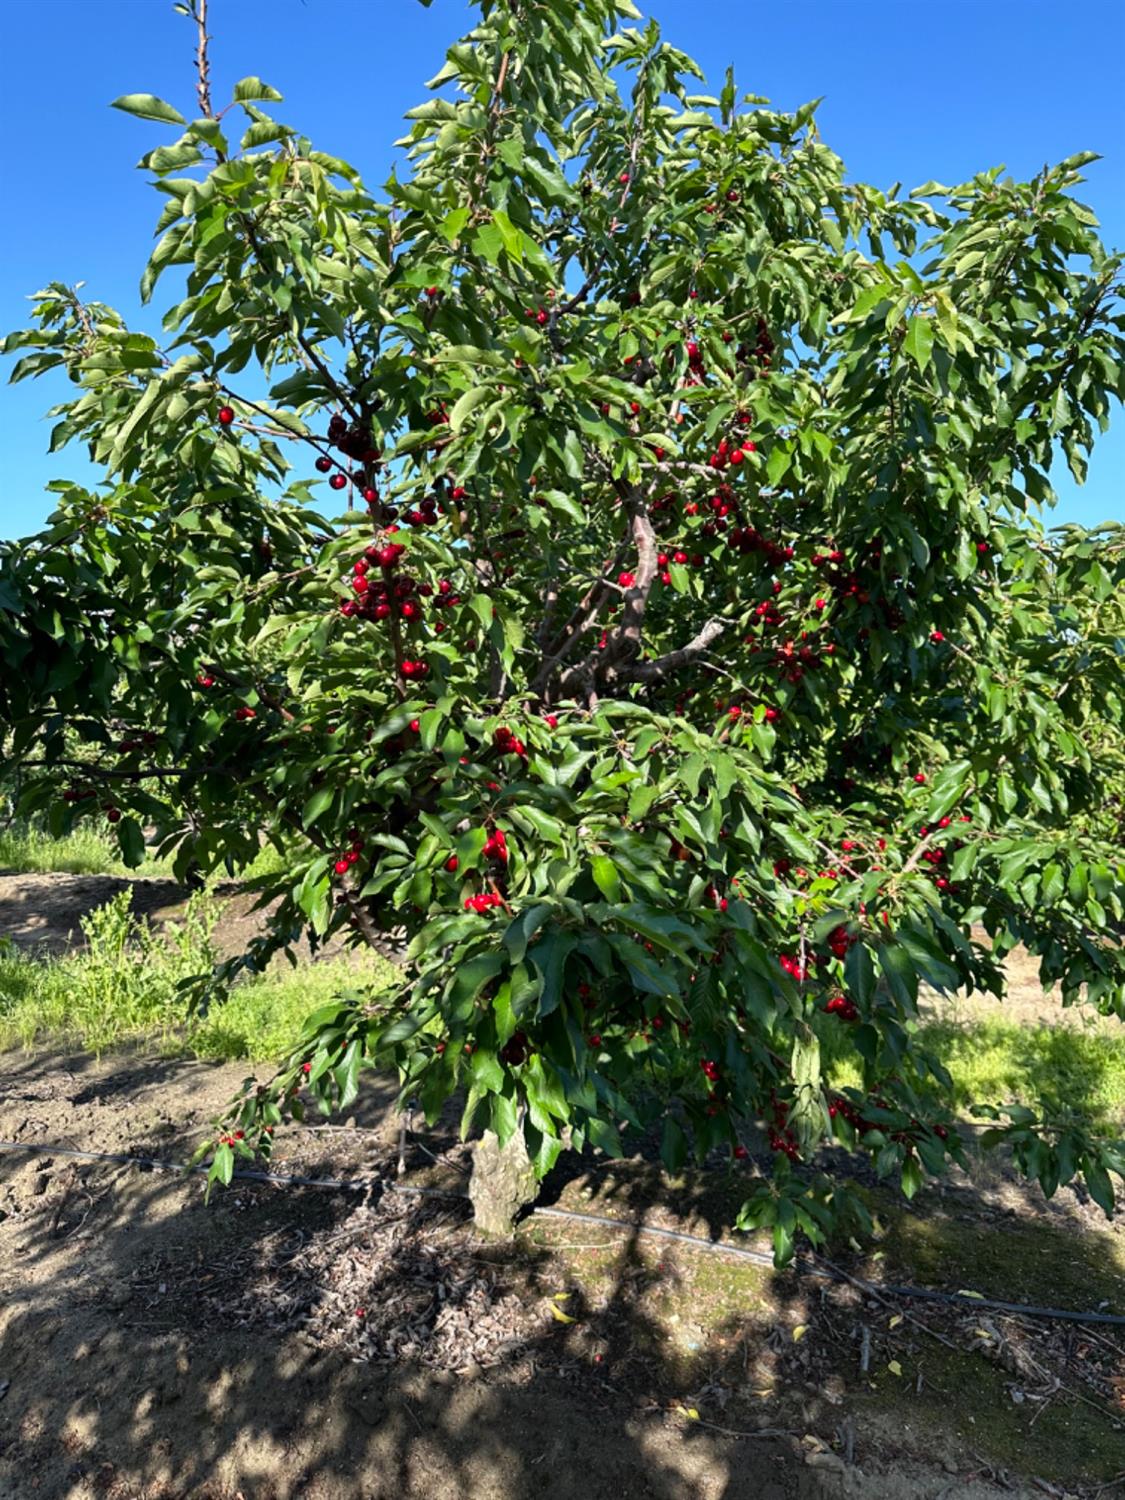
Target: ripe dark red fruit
{"points": [[338, 481], [341, 867], [226, 415], [113, 814], [453, 864], [323, 464]]}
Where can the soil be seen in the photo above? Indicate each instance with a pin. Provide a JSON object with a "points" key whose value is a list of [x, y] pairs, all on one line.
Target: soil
{"points": [[288, 1342]]}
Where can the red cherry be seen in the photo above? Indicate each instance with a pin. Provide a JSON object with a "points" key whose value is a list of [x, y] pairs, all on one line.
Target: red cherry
{"points": [[323, 464], [338, 481], [920, 778], [453, 864], [113, 815], [341, 867], [226, 415]]}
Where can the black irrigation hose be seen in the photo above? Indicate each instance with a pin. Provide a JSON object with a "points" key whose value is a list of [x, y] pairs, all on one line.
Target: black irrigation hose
{"points": [[758, 1257]]}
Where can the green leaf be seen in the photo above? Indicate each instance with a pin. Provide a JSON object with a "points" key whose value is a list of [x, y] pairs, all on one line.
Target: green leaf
{"points": [[606, 877], [604, 1136], [149, 107], [247, 89], [132, 840], [454, 222], [1099, 1185], [474, 397], [316, 804], [896, 964], [549, 955], [222, 1165], [673, 1145], [919, 341]]}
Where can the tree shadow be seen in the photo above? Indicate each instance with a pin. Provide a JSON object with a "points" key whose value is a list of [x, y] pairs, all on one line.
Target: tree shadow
{"points": [[158, 1346], [292, 1342]]}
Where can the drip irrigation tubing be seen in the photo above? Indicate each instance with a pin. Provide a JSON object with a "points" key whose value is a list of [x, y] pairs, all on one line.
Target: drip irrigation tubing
{"points": [[679, 1236]]}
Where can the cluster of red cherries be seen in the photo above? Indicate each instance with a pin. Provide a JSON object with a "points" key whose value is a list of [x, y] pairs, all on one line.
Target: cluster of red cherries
{"points": [[781, 1137], [495, 848], [483, 901], [508, 744], [841, 1006], [352, 856]]}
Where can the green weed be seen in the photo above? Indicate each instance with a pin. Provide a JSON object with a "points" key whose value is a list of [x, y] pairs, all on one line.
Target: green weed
{"points": [[123, 987]]}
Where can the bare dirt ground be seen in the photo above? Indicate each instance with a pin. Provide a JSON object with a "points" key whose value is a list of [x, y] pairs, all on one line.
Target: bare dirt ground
{"points": [[299, 1343]]}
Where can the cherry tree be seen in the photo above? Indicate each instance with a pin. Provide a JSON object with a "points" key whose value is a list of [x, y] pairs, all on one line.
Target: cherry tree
{"points": [[607, 563]]}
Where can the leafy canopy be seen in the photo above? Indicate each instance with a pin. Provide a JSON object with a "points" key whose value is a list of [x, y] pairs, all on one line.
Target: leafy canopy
{"points": [[607, 559]]}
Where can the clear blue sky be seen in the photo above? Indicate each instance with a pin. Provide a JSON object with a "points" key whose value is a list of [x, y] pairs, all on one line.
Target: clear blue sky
{"points": [[913, 91]]}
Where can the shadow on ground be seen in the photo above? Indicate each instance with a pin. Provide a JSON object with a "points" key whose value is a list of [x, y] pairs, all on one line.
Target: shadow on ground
{"points": [[281, 1343]]}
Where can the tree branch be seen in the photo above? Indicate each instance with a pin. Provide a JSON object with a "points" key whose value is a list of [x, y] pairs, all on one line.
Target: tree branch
{"points": [[654, 671], [202, 61]]}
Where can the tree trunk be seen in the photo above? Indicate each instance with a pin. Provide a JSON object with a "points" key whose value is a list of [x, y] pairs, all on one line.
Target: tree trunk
{"points": [[502, 1182]]}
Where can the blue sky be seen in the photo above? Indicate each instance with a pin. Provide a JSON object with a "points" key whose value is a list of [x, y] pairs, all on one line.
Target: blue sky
{"points": [[912, 92]]}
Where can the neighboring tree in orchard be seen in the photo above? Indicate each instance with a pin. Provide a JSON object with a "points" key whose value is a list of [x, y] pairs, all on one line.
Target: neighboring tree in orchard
{"points": [[608, 560]]}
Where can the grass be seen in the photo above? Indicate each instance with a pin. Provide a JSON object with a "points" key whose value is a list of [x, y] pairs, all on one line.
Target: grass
{"points": [[87, 850], [995, 1060], [123, 986], [26, 849], [263, 1016]]}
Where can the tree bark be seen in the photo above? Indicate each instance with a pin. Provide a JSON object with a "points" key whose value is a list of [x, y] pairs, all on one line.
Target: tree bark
{"points": [[502, 1182]]}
